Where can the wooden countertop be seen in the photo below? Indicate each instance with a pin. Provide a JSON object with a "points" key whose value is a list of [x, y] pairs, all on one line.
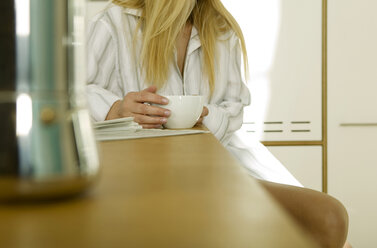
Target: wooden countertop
{"points": [[181, 191]]}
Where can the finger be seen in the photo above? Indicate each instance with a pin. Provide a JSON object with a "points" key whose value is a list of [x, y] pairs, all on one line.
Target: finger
{"points": [[151, 126], [145, 119], [150, 97], [205, 112], [200, 121], [146, 109]]}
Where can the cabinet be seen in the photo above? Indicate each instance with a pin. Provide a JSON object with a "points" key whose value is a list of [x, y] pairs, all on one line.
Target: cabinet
{"points": [[284, 43], [305, 162], [352, 111]]}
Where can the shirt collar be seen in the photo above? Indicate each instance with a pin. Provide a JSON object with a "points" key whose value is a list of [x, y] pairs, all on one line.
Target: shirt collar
{"points": [[194, 41], [134, 12]]}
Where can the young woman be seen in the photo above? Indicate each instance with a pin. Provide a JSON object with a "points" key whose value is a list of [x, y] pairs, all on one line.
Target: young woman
{"points": [[141, 50]]}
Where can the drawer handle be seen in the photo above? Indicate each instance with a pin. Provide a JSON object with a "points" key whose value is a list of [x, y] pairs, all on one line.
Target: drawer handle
{"points": [[370, 124]]}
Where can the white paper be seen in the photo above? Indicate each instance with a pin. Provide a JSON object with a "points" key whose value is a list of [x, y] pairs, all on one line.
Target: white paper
{"points": [[126, 128]]}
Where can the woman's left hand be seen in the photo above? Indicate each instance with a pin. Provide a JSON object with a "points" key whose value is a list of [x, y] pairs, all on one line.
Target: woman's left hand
{"points": [[204, 114]]}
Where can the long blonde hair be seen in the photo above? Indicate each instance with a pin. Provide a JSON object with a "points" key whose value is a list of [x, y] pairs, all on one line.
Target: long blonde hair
{"points": [[161, 22]]}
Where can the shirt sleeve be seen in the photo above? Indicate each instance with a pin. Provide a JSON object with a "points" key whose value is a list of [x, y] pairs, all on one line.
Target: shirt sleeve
{"points": [[103, 88], [226, 110]]}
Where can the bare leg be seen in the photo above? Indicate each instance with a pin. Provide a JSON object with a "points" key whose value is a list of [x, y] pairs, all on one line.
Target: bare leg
{"points": [[320, 214]]}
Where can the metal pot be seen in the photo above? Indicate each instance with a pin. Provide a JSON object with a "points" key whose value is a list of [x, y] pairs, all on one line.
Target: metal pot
{"points": [[47, 146]]}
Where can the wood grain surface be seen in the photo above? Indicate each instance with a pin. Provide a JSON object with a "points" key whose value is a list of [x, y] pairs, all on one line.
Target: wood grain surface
{"points": [[181, 191]]}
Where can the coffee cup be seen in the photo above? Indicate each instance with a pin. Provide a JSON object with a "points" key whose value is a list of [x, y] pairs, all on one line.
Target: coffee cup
{"points": [[185, 111]]}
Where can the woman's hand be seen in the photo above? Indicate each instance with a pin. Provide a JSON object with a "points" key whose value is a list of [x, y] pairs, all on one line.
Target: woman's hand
{"points": [[204, 114], [136, 104]]}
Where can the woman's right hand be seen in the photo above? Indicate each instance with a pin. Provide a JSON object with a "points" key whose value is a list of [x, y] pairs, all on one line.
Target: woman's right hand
{"points": [[136, 104]]}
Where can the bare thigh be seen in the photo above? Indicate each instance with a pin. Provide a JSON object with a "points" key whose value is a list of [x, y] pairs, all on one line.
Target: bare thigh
{"points": [[324, 217]]}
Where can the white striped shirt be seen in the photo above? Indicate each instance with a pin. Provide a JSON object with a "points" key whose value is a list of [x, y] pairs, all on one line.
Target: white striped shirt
{"points": [[113, 72]]}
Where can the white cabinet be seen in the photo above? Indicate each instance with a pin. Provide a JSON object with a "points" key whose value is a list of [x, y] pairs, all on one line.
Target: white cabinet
{"points": [[284, 43], [305, 162], [352, 111], [352, 179]]}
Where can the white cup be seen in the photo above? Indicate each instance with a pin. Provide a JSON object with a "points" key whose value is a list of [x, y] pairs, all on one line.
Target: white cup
{"points": [[185, 111]]}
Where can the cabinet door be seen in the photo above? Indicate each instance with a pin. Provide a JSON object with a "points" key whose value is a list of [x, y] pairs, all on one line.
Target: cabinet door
{"points": [[284, 43], [352, 172], [304, 162], [352, 112]]}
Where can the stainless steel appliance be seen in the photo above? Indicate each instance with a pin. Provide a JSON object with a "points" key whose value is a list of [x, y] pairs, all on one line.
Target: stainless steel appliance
{"points": [[47, 146]]}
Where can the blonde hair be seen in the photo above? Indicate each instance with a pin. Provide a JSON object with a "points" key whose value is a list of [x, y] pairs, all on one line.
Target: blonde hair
{"points": [[161, 22]]}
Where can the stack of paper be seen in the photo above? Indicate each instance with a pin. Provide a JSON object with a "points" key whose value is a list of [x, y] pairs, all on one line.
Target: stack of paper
{"points": [[117, 127], [126, 128]]}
